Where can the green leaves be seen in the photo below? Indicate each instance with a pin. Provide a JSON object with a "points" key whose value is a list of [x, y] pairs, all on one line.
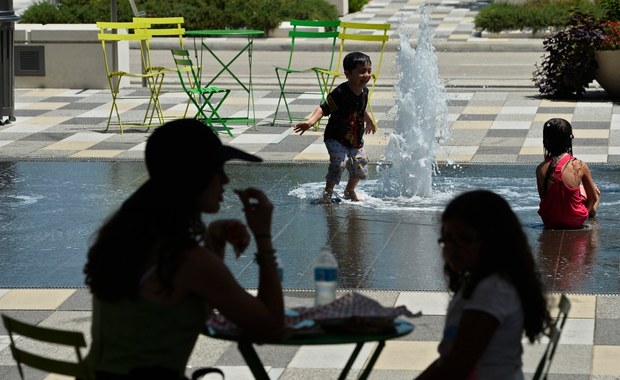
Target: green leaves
{"points": [[570, 65], [199, 14]]}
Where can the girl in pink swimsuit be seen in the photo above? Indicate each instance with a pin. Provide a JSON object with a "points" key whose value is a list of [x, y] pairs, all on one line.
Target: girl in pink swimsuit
{"points": [[568, 195]]}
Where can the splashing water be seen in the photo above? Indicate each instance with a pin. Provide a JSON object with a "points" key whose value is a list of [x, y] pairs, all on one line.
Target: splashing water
{"points": [[421, 117]]}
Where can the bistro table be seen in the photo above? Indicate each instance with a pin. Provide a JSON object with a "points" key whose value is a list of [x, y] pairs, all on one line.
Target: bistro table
{"points": [[226, 66], [327, 337]]}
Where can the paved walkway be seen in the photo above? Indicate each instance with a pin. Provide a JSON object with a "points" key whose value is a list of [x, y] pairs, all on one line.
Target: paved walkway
{"points": [[501, 124], [488, 126]]}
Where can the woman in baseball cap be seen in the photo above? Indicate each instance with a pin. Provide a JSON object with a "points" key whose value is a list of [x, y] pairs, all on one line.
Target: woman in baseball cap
{"points": [[156, 271]]}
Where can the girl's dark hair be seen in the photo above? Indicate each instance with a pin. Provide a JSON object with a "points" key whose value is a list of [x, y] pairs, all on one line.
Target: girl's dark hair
{"points": [[504, 249], [557, 137], [351, 60], [151, 229]]}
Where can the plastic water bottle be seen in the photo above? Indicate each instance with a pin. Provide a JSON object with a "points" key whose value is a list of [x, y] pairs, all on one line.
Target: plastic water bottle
{"points": [[325, 277]]}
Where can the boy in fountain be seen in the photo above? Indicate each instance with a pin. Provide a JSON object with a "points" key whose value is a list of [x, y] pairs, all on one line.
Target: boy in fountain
{"points": [[348, 122]]}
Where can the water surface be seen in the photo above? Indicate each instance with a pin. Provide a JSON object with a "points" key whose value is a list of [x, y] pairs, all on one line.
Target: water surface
{"points": [[50, 210]]}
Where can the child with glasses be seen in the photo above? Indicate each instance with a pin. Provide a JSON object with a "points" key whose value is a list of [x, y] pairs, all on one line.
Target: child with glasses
{"points": [[496, 291], [568, 194]]}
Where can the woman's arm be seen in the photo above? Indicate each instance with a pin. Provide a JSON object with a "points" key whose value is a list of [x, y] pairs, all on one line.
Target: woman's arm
{"points": [[206, 274], [476, 328]]}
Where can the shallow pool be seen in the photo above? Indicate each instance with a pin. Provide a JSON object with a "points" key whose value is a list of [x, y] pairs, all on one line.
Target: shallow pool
{"points": [[50, 210]]}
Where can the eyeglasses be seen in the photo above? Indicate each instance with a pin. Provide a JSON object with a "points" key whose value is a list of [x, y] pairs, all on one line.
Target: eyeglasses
{"points": [[457, 241]]}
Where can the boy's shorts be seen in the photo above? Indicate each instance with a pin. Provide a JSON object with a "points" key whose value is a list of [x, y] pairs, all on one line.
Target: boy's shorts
{"points": [[354, 159]]}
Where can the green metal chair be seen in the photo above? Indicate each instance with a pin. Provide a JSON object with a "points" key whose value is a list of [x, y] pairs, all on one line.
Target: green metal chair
{"points": [[328, 31], [31, 358], [555, 330], [200, 96]]}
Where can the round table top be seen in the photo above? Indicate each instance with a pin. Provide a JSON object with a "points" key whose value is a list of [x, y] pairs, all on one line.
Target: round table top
{"points": [[401, 328], [223, 32]]}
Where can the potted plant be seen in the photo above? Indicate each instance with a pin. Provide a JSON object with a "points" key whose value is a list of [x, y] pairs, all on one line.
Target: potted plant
{"points": [[587, 49], [607, 57], [570, 64]]}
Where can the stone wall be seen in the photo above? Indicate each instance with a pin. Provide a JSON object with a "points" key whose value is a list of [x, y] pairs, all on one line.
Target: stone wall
{"points": [[62, 56]]}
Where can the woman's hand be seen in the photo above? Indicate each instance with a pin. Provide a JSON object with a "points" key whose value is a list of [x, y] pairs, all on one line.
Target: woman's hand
{"points": [[224, 231], [258, 211]]}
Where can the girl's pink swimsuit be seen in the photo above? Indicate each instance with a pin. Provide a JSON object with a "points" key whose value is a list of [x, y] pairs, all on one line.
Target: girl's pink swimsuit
{"points": [[562, 206]]}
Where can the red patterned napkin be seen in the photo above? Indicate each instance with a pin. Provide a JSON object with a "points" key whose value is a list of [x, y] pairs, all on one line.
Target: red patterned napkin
{"points": [[351, 305]]}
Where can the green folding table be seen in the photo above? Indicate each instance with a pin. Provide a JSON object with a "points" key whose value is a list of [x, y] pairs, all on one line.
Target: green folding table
{"points": [[226, 65]]}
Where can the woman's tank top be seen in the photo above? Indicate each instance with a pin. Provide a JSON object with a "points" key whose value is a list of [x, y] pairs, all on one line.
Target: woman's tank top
{"points": [[140, 333]]}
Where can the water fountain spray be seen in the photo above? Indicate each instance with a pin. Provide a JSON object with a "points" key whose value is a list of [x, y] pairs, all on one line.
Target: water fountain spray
{"points": [[421, 117]]}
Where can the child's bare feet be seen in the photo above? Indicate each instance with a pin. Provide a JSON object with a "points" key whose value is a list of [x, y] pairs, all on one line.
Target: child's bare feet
{"points": [[352, 196], [326, 199]]}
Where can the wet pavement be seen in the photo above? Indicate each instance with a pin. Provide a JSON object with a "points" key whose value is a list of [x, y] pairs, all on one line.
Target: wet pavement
{"points": [[50, 210]]}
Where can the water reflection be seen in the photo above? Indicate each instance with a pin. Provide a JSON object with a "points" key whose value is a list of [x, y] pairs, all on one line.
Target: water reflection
{"points": [[566, 257], [347, 232]]}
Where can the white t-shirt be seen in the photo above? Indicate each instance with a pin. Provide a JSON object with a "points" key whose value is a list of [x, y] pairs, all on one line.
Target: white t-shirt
{"points": [[502, 358]]}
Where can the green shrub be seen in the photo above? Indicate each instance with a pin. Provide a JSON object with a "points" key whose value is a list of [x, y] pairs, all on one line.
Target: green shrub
{"points": [[46, 12], [356, 5], [612, 9], [73, 12], [497, 17], [208, 14], [534, 14], [309, 10], [570, 65]]}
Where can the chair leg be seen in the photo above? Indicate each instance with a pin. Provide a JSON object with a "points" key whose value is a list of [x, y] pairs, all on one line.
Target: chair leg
{"points": [[154, 85], [186, 108], [282, 85], [326, 87], [199, 109], [208, 120], [110, 114], [115, 94], [318, 78], [372, 113], [214, 110]]}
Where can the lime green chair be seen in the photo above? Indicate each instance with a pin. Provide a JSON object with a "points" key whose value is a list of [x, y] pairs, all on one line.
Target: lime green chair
{"points": [[305, 29], [27, 355], [200, 96], [164, 27], [159, 27], [111, 33], [555, 330], [375, 35]]}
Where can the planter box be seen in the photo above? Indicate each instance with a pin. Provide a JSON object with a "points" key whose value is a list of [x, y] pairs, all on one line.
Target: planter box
{"points": [[517, 34], [342, 6], [608, 73], [62, 56]]}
